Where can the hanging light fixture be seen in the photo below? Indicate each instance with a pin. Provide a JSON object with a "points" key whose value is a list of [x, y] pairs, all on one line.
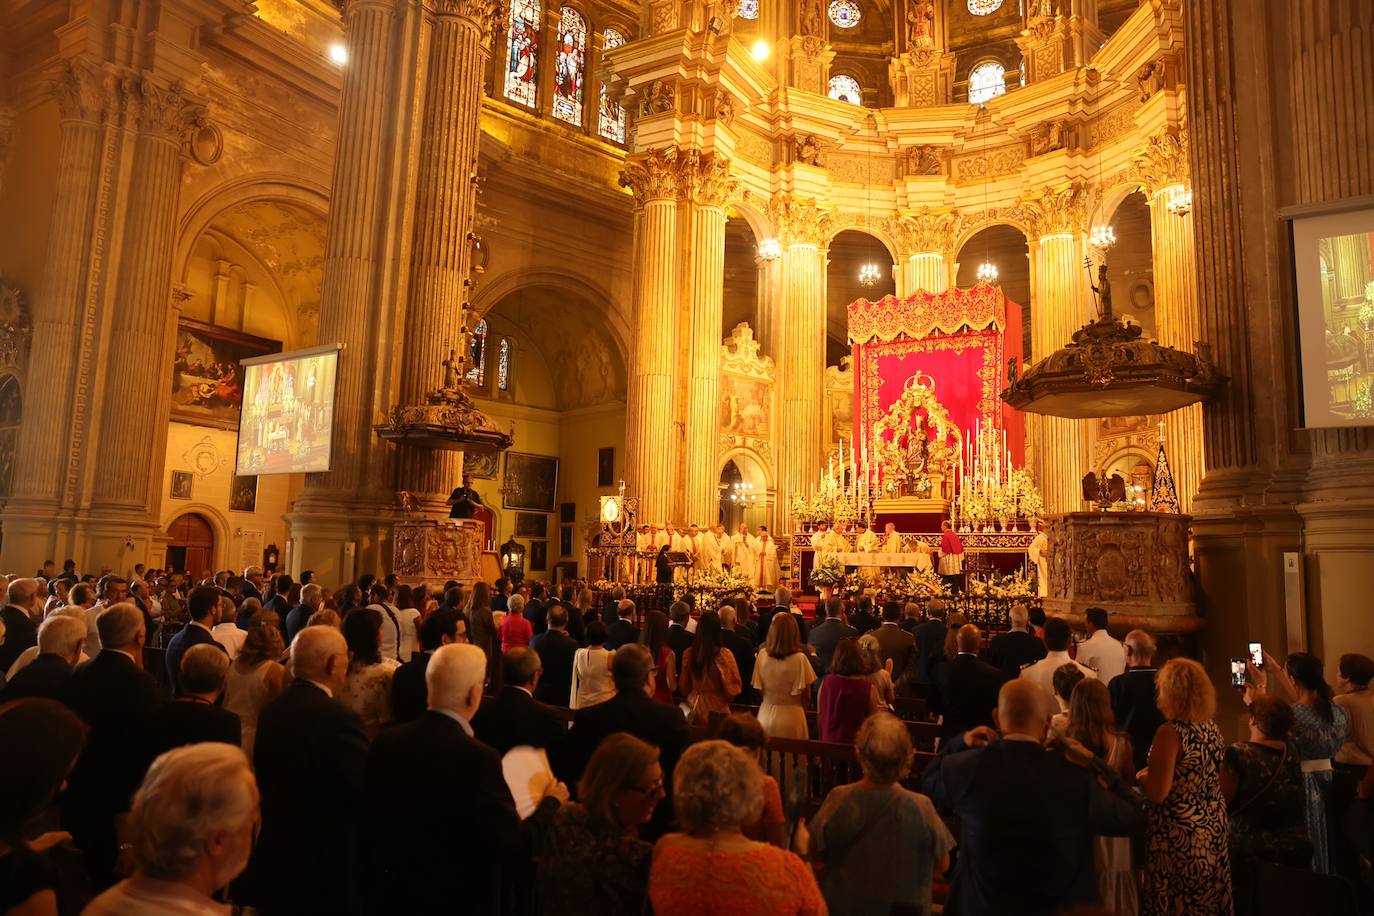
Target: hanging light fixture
{"points": [[869, 274], [770, 249], [1102, 237], [742, 493], [1180, 202], [987, 272]]}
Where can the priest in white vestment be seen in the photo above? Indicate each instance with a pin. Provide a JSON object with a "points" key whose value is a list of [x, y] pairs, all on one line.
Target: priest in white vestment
{"points": [[644, 550], [867, 542], [697, 540], [678, 543], [744, 549], [822, 544], [1039, 552], [711, 549], [769, 569]]}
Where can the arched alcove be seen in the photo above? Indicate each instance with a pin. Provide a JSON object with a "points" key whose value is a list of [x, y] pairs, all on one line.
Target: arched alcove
{"points": [[744, 490], [191, 544], [850, 252], [745, 279], [1005, 248]]}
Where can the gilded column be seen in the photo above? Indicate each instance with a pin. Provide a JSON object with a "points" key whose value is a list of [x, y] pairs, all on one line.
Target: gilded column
{"points": [[927, 272], [1060, 305], [803, 230], [445, 203], [708, 187], [651, 442], [929, 235]]}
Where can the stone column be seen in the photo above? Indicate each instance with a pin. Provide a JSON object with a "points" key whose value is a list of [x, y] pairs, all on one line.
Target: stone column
{"points": [[1352, 257], [928, 235], [445, 203], [709, 185], [1176, 325], [803, 230], [652, 443], [927, 271]]}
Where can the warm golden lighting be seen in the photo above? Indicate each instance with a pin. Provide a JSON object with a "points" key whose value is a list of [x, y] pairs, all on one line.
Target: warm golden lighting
{"points": [[338, 53], [760, 50]]}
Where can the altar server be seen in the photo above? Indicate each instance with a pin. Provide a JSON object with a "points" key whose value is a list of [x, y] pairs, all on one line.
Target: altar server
{"points": [[744, 551], [951, 556], [1039, 553], [822, 543], [769, 570]]}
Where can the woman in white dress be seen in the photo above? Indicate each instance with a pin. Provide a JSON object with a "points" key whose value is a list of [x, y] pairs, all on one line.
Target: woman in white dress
{"points": [[591, 676], [783, 675], [256, 677]]}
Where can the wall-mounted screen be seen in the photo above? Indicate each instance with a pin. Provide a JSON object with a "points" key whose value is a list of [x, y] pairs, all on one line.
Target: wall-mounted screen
{"points": [[1333, 262], [287, 421]]}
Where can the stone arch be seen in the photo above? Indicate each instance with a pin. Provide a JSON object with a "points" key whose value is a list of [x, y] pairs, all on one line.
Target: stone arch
{"points": [[273, 186], [856, 223], [491, 292], [755, 218], [969, 230], [1111, 196], [219, 527], [743, 456]]}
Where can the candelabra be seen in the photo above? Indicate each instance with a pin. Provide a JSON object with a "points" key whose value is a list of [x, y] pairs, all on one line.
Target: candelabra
{"points": [[1180, 202], [1102, 237]]}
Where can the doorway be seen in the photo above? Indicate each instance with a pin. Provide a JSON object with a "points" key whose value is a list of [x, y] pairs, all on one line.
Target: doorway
{"points": [[191, 546]]}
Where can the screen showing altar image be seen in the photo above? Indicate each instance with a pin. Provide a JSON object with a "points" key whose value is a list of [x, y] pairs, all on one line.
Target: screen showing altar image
{"points": [[287, 422], [1333, 260]]}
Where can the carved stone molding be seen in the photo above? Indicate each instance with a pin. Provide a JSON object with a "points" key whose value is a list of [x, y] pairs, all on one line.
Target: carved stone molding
{"points": [[80, 90], [6, 140], [799, 221], [1004, 160], [928, 231], [808, 150], [652, 176], [671, 174], [739, 354], [1162, 162], [487, 15], [706, 180], [1063, 210], [924, 161], [1048, 136], [661, 98]]}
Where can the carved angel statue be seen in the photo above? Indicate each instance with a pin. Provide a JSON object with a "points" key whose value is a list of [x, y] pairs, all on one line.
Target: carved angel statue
{"points": [[923, 160], [1045, 9], [451, 370], [807, 150], [661, 98], [920, 20]]}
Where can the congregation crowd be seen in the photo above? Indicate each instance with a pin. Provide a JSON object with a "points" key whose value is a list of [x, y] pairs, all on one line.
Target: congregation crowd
{"points": [[259, 743]]}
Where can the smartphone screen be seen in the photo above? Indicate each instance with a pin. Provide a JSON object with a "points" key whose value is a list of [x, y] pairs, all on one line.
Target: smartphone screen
{"points": [[1237, 672], [1256, 655]]}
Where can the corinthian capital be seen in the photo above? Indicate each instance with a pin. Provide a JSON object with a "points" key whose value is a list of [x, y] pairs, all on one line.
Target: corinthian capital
{"points": [[652, 176], [487, 15], [798, 221], [927, 231], [80, 90], [1162, 162], [706, 180], [1058, 211], [160, 111]]}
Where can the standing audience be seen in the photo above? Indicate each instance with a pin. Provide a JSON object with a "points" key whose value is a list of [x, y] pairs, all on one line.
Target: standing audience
{"points": [[1092, 725], [193, 717], [783, 675], [744, 731], [367, 689], [513, 717], [20, 617], [408, 690], [710, 680], [1133, 695], [60, 639], [1015, 649], [556, 651], [227, 632], [964, 689], [256, 677], [1057, 639], [847, 697], [1100, 651], [591, 674], [654, 637]]}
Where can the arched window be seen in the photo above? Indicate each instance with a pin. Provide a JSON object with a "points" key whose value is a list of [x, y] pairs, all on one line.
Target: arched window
{"points": [[986, 80], [570, 67], [984, 7], [748, 9], [845, 13], [503, 365], [522, 52], [846, 89], [611, 118], [477, 375]]}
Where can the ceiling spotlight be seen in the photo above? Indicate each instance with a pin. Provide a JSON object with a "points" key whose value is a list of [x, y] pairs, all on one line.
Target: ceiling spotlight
{"points": [[1102, 237], [338, 53], [869, 275], [760, 50], [987, 272], [770, 249]]}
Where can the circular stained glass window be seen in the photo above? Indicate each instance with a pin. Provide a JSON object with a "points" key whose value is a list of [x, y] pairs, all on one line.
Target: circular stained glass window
{"points": [[984, 7], [845, 13], [748, 9], [846, 89]]}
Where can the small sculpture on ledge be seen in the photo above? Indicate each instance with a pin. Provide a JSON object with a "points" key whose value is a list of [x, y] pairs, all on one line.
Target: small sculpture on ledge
{"points": [[447, 420], [1104, 492]]}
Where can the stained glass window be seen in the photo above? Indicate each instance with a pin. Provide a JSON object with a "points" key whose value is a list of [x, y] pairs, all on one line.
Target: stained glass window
{"points": [[845, 13], [748, 9], [846, 89], [503, 365], [522, 52], [611, 119], [986, 80], [570, 66], [984, 7], [478, 354]]}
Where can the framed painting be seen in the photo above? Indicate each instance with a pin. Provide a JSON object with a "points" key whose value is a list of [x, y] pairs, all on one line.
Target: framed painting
{"points": [[744, 406], [605, 466], [565, 541], [481, 466], [181, 484], [539, 556], [531, 525], [244, 495], [531, 482], [207, 380], [567, 513]]}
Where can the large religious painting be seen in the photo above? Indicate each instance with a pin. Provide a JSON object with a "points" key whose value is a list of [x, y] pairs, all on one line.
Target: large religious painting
{"points": [[531, 482], [244, 495], [531, 525], [744, 406], [207, 380], [481, 465]]}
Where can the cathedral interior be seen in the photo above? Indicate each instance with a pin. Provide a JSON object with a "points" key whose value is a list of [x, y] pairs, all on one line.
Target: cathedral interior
{"points": [[636, 229]]}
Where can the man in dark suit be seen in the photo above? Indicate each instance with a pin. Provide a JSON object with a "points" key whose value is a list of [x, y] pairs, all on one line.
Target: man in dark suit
{"points": [[193, 716], [438, 805], [633, 711], [680, 639], [863, 618], [1026, 852], [1133, 695], [280, 602], [500, 594], [21, 615], [251, 586], [1015, 649], [782, 601], [115, 697], [930, 641], [59, 649], [964, 691], [535, 611], [556, 651], [895, 644], [622, 631], [514, 717], [202, 607], [312, 599], [741, 646], [309, 756], [408, 690], [826, 634]]}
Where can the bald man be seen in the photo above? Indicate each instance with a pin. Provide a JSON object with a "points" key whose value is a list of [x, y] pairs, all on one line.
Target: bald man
{"points": [[1026, 852], [310, 754], [964, 691]]}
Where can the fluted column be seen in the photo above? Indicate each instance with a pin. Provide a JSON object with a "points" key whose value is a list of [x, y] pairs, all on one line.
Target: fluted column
{"points": [[710, 185], [1176, 325], [927, 271], [445, 203], [1351, 252], [803, 368], [652, 444]]}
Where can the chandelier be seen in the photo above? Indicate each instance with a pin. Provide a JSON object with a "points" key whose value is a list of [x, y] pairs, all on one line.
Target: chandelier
{"points": [[869, 274], [1102, 237], [742, 493], [1180, 202], [987, 272], [770, 249]]}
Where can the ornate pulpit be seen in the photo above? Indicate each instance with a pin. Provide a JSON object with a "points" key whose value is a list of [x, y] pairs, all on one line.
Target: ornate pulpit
{"points": [[431, 552]]}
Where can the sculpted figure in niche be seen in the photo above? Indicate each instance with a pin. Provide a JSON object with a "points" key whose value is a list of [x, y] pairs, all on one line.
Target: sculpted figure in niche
{"points": [[811, 19], [1047, 137], [920, 22], [807, 150], [923, 160]]}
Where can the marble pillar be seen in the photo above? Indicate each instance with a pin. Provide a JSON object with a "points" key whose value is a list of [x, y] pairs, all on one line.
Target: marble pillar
{"points": [[926, 271], [1176, 325], [706, 201], [652, 441], [802, 372]]}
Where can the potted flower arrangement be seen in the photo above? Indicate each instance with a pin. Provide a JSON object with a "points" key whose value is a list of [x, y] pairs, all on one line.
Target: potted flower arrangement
{"points": [[827, 576]]}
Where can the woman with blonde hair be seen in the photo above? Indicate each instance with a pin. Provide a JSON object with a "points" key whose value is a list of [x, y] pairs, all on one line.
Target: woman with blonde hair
{"points": [[783, 675], [256, 677], [879, 671], [1187, 858]]}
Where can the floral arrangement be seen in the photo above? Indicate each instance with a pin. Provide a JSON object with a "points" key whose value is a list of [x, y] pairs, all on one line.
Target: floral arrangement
{"points": [[1017, 585], [1029, 502], [1364, 401], [914, 585], [712, 589], [830, 573]]}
